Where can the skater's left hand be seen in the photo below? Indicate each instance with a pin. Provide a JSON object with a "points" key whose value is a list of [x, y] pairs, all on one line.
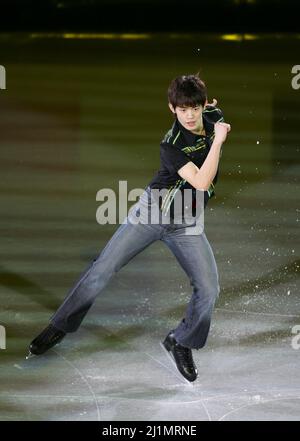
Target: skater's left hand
{"points": [[214, 103]]}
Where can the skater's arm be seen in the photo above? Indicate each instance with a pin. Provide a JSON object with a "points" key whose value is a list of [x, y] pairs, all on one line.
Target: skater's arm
{"points": [[201, 178]]}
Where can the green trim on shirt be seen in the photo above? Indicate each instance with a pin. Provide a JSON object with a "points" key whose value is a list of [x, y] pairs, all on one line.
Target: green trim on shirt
{"points": [[171, 195]]}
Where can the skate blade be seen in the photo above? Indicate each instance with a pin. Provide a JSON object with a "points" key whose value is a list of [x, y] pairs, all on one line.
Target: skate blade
{"points": [[178, 374], [30, 355]]}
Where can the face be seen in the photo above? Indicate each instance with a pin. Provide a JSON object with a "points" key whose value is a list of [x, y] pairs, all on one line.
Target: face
{"points": [[189, 117]]}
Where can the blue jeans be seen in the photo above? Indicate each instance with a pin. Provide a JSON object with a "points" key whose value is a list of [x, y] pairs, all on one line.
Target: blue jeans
{"points": [[193, 253]]}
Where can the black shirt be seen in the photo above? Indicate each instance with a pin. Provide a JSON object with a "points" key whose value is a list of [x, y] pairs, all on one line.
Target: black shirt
{"points": [[178, 147]]}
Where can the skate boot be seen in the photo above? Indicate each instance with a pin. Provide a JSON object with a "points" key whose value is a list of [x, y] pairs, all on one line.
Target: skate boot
{"points": [[48, 338], [182, 356]]}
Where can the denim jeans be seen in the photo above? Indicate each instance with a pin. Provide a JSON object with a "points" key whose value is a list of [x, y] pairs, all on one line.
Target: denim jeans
{"points": [[193, 252]]}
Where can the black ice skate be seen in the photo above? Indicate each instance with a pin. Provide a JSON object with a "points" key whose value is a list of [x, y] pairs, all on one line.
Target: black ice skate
{"points": [[182, 356], [48, 338]]}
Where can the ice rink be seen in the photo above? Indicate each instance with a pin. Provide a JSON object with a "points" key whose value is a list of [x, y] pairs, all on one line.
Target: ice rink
{"points": [[71, 126]]}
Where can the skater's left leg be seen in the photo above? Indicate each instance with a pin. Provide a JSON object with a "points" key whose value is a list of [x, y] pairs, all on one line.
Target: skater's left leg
{"points": [[195, 256]]}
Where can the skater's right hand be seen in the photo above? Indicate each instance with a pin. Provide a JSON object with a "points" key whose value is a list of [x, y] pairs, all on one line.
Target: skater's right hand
{"points": [[221, 131]]}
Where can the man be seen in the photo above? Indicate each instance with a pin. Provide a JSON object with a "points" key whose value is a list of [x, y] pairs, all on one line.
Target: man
{"points": [[190, 154]]}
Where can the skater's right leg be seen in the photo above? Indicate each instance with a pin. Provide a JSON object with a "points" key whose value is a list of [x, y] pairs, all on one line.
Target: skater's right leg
{"points": [[129, 240]]}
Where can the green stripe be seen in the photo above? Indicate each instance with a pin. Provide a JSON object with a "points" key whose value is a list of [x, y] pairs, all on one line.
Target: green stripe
{"points": [[211, 189], [165, 198], [208, 111], [176, 137], [190, 149], [171, 195]]}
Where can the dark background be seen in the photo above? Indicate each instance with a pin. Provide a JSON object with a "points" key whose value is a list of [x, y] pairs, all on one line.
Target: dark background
{"points": [[151, 15]]}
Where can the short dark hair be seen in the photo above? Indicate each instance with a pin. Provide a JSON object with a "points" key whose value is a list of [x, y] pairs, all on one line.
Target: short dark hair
{"points": [[187, 90]]}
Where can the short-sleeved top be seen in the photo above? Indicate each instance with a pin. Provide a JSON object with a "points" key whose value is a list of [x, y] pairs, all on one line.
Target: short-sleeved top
{"points": [[178, 147]]}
